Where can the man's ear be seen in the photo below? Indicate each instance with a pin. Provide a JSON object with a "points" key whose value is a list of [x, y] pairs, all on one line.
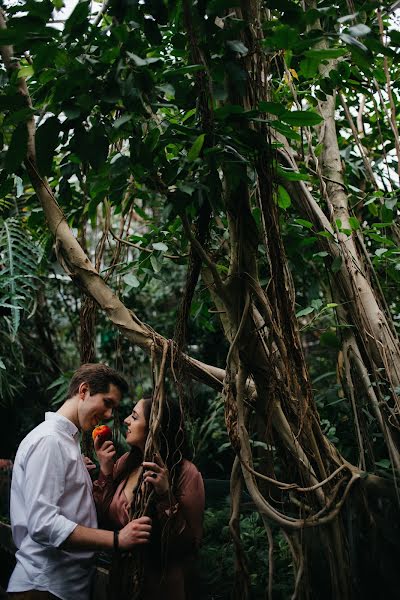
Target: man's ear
{"points": [[83, 388]]}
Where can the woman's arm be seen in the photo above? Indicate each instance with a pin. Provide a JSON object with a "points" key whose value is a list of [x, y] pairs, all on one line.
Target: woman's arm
{"points": [[104, 489]]}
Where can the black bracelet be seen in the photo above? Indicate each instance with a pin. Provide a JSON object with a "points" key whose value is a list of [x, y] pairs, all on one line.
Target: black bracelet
{"points": [[116, 541]]}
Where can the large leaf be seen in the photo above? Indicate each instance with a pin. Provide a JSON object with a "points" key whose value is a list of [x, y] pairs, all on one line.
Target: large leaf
{"points": [[325, 53], [17, 149], [77, 22], [196, 148], [301, 118], [46, 143]]}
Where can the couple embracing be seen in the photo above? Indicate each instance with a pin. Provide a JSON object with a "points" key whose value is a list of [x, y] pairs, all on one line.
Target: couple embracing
{"points": [[56, 509]]}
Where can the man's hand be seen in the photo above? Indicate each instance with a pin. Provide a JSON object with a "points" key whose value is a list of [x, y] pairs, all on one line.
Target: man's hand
{"points": [[105, 454], [136, 532]]}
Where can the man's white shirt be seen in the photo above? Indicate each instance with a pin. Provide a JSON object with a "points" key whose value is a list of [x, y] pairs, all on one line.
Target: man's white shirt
{"points": [[51, 492]]}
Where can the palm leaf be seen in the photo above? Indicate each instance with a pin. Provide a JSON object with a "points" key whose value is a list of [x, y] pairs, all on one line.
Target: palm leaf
{"points": [[19, 258]]}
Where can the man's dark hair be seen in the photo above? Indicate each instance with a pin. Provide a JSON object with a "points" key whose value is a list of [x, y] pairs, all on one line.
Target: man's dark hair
{"points": [[98, 377]]}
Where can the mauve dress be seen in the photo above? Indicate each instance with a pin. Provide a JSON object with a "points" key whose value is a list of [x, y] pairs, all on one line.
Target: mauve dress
{"points": [[181, 515]]}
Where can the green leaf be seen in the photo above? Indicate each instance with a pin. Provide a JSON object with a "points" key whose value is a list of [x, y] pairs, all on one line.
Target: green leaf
{"points": [[196, 148], [131, 280], [283, 37], [325, 53], [286, 130], [98, 147], [237, 46], [301, 118], [352, 41], [394, 37], [354, 223], [186, 188], [273, 108], [155, 264], [359, 30], [92, 146], [17, 149], [309, 67], [26, 71], [347, 18], [78, 19], [46, 143], [160, 246], [142, 62], [305, 311], [318, 149], [284, 200], [152, 139], [380, 251], [304, 223], [390, 203]]}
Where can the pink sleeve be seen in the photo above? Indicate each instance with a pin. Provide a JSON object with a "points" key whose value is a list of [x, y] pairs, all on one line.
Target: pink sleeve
{"points": [[181, 516], [103, 492]]}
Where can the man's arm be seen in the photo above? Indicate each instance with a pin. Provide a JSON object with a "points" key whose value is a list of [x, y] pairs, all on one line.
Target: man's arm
{"points": [[44, 486], [134, 533]]}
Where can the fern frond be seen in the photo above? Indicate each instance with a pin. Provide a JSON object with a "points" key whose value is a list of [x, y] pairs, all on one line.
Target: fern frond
{"points": [[19, 258], [11, 365], [6, 204]]}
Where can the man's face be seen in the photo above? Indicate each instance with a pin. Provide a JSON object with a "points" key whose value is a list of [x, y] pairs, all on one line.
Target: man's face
{"points": [[96, 408]]}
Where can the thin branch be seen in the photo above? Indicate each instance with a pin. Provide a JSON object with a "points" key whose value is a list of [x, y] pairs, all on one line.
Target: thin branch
{"points": [[357, 140], [144, 249], [392, 126], [390, 94], [101, 12]]}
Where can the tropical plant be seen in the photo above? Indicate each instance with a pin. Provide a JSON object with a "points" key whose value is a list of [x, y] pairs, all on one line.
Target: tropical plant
{"points": [[256, 144]]}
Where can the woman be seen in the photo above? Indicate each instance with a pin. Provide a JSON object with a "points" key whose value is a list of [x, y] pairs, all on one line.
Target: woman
{"points": [[176, 507]]}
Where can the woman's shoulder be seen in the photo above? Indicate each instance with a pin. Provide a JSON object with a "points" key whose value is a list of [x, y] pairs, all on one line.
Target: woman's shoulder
{"points": [[189, 470], [190, 482]]}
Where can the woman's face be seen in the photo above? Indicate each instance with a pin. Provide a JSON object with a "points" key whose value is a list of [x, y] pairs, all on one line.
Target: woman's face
{"points": [[137, 427]]}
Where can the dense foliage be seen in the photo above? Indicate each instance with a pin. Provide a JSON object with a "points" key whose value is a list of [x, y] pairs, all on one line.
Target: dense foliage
{"points": [[150, 116]]}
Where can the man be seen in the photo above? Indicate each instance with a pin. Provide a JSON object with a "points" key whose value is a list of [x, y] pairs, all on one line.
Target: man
{"points": [[53, 516]]}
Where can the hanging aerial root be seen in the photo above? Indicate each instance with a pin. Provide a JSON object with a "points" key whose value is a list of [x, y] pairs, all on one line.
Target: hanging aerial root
{"points": [[242, 578], [298, 562], [131, 570], [270, 538]]}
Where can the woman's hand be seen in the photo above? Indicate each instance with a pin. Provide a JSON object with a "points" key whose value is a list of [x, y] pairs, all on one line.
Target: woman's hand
{"points": [[105, 453], [89, 464], [156, 474]]}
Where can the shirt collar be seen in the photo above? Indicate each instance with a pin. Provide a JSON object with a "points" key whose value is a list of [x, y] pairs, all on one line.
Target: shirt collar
{"points": [[63, 423]]}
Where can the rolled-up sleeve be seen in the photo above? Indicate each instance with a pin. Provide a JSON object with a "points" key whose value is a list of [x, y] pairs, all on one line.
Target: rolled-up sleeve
{"points": [[44, 487]]}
